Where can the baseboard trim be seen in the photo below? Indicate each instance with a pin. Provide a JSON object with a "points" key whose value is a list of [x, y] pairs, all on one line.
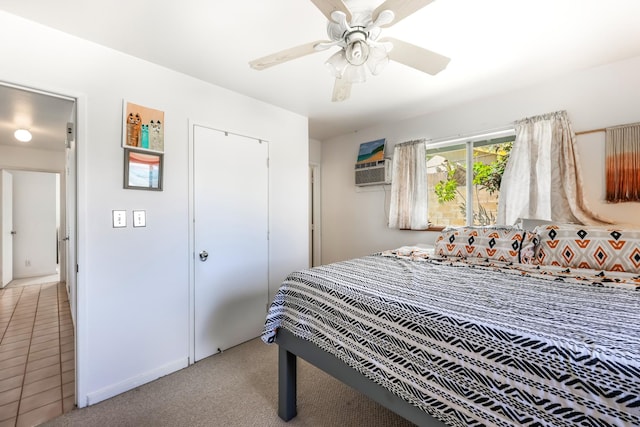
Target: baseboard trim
{"points": [[133, 382]]}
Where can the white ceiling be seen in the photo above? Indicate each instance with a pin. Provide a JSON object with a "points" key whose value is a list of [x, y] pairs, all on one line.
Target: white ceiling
{"points": [[45, 116], [494, 46]]}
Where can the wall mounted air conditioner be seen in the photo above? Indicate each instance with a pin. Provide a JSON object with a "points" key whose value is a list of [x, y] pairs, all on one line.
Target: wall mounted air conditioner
{"points": [[373, 173]]}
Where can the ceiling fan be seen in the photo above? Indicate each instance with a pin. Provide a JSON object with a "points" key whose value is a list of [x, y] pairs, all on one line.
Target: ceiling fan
{"points": [[357, 32]]}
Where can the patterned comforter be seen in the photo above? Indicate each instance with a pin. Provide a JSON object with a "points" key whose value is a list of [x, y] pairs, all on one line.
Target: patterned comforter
{"points": [[474, 345]]}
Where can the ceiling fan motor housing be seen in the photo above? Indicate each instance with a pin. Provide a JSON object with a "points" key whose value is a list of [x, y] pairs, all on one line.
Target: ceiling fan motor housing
{"points": [[354, 37]]}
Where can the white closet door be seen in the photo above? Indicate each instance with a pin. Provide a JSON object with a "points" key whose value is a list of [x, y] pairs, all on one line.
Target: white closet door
{"points": [[230, 239]]}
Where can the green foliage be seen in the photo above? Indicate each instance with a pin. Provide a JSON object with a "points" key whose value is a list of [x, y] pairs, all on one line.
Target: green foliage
{"points": [[489, 176], [481, 173], [447, 190], [486, 176]]}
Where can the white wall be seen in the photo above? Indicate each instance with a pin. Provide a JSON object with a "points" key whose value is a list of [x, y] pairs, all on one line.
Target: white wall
{"points": [[35, 214], [354, 220], [133, 291], [31, 159], [315, 151]]}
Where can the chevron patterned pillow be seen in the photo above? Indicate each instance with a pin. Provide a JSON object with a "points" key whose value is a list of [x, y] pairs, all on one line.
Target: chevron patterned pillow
{"points": [[498, 243], [581, 246]]}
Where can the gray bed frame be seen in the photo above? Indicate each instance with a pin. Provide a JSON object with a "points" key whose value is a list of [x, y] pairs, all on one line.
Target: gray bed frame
{"points": [[291, 347]]}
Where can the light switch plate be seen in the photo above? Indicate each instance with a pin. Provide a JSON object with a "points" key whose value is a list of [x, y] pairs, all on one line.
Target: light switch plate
{"points": [[119, 219], [139, 218]]}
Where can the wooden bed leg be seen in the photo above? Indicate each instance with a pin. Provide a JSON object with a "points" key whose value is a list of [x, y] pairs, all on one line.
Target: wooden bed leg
{"points": [[287, 380]]}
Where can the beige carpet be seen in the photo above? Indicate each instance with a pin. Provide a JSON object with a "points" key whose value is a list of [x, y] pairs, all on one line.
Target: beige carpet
{"points": [[235, 388]]}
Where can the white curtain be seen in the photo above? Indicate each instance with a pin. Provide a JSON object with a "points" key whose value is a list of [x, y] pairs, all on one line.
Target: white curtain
{"points": [[542, 179], [408, 208]]}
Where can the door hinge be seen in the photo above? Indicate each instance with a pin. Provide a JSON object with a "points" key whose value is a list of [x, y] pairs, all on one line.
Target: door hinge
{"points": [[77, 268], [267, 162], [70, 134]]}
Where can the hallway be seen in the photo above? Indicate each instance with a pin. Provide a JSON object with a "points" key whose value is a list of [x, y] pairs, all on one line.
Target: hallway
{"points": [[37, 366]]}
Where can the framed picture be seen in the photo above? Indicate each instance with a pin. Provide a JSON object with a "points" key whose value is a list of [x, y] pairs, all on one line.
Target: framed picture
{"points": [[142, 128], [142, 170]]}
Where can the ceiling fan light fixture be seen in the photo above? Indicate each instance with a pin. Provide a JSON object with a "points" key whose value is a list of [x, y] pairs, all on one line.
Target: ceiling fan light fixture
{"points": [[357, 50], [356, 28], [378, 59], [337, 63], [340, 68], [355, 74], [22, 135]]}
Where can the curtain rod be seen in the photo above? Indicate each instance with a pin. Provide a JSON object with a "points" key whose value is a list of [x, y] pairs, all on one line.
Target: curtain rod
{"points": [[496, 132], [584, 132]]}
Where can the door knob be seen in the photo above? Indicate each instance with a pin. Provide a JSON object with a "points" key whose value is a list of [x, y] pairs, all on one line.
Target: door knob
{"points": [[204, 255]]}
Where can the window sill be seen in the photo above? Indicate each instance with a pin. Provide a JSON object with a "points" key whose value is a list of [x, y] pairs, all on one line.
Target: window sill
{"points": [[437, 228]]}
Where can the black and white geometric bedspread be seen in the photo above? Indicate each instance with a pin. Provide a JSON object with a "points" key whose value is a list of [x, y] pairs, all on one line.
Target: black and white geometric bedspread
{"points": [[472, 346]]}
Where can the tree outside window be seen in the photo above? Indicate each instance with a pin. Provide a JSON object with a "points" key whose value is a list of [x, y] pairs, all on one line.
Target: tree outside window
{"points": [[448, 174]]}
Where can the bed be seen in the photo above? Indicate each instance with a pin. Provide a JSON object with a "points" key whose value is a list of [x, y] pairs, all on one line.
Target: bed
{"points": [[497, 326]]}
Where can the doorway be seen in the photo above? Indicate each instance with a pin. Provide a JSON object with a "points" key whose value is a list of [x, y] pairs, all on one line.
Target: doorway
{"points": [[50, 121], [39, 333], [31, 226]]}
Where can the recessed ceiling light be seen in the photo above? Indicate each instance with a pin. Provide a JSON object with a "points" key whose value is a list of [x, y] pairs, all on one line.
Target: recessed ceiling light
{"points": [[22, 135]]}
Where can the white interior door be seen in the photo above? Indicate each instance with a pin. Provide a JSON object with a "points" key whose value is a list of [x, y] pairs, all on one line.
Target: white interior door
{"points": [[315, 248], [230, 239], [70, 218], [6, 218]]}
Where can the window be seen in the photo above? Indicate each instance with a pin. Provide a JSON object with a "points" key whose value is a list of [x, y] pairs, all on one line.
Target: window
{"points": [[451, 183]]}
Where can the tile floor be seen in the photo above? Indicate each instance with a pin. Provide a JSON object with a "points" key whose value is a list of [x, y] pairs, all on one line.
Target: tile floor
{"points": [[37, 367]]}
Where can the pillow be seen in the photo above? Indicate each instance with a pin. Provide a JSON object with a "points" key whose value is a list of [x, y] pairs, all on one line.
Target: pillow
{"points": [[531, 223], [498, 243], [582, 246]]}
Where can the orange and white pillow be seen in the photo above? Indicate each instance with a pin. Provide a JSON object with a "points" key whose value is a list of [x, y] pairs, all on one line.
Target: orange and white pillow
{"points": [[506, 244], [580, 246]]}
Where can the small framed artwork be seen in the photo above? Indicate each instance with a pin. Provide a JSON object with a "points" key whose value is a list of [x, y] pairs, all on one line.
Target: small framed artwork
{"points": [[142, 128], [142, 170]]}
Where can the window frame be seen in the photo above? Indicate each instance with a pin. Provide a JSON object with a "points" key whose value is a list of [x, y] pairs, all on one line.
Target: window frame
{"points": [[499, 137]]}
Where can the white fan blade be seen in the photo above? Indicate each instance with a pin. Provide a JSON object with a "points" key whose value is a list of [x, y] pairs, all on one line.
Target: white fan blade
{"points": [[416, 57], [328, 6], [287, 55], [400, 8], [341, 90]]}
